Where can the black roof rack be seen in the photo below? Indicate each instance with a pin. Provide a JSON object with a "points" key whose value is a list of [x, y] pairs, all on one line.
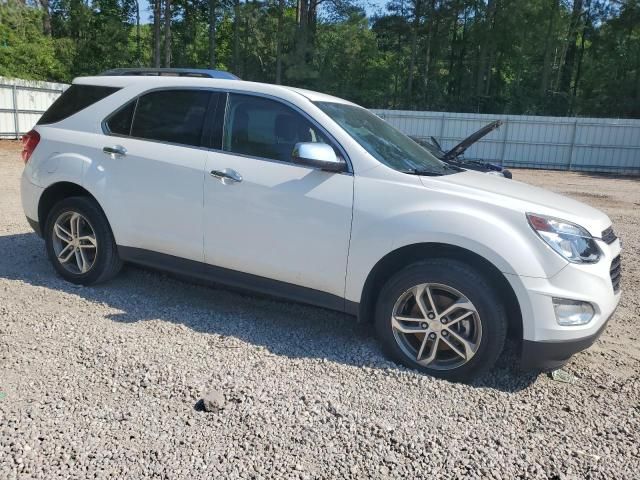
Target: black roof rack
{"points": [[172, 72]]}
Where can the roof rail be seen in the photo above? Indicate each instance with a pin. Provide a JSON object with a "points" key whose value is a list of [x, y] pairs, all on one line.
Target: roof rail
{"points": [[171, 72]]}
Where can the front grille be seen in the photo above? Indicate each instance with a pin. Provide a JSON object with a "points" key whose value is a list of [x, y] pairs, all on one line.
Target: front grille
{"points": [[616, 273], [609, 236]]}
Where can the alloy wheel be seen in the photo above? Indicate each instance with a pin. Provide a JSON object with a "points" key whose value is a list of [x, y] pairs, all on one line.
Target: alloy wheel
{"points": [[436, 326], [74, 242]]}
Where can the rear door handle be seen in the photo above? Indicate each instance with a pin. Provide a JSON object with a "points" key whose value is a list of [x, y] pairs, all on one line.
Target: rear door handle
{"points": [[226, 176], [115, 151]]}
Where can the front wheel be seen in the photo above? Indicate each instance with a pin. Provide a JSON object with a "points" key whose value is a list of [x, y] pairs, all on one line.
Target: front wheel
{"points": [[442, 317], [79, 242]]}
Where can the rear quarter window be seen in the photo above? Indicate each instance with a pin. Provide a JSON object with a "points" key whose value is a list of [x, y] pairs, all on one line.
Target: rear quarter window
{"points": [[120, 122], [73, 99]]}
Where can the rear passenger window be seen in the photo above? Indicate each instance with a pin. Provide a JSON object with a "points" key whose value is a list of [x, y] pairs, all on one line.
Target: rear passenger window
{"points": [[73, 99], [120, 122], [175, 116]]}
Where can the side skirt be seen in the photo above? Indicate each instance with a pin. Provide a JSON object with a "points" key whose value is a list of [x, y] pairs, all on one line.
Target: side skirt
{"points": [[232, 278]]}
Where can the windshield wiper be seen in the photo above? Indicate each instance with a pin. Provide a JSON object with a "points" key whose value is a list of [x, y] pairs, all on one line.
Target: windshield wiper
{"points": [[426, 173], [433, 173]]}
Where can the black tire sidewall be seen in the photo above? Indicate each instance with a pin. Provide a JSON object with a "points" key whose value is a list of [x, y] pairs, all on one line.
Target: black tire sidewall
{"points": [[88, 209], [470, 283]]}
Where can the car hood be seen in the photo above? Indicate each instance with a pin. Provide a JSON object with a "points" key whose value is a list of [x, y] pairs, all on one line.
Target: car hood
{"points": [[460, 148], [493, 189]]}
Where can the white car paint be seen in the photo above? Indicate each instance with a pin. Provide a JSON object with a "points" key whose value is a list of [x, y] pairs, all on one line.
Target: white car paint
{"points": [[308, 227], [282, 218]]}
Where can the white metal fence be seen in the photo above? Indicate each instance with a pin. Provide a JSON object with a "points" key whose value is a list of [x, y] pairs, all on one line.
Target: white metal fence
{"points": [[583, 144], [560, 143], [22, 102]]}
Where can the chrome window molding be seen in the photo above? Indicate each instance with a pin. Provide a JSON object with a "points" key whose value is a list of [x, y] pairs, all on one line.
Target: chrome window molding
{"points": [[227, 91]]}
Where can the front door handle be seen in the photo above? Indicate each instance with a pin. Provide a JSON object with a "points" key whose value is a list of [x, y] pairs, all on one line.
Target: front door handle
{"points": [[226, 176], [115, 151]]}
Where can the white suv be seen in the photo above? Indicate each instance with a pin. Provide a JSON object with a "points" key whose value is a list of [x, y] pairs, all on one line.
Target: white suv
{"points": [[309, 197]]}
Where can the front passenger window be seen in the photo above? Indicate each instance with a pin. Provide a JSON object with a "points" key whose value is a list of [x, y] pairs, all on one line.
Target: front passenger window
{"points": [[264, 128]]}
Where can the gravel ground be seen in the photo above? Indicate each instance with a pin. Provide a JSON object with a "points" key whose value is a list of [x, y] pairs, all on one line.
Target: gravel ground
{"points": [[105, 382]]}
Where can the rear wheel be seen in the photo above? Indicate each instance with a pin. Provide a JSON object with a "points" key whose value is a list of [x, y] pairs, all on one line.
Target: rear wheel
{"points": [[79, 242], [441, 316]]}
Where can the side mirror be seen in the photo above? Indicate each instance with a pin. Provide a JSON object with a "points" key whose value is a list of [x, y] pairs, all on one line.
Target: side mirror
{"points": [[317, 155]]}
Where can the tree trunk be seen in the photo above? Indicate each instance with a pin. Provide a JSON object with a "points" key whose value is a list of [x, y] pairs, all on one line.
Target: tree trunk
{"points": [[580, 56], [570, 56], [463, 51], [167, 33], [245, 43], [279, 42], [486, 47], [138, 46], [302, 34], [546, 67], [414, 48], [46, 17], [452, 53], [157, 13], [212, 33], [431, 26], [236, 36]]}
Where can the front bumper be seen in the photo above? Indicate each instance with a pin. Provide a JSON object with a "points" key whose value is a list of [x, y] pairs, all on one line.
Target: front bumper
{"points": [[547, 344], [550, 355]]}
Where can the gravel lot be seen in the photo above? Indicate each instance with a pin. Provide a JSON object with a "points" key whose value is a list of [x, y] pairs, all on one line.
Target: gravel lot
{"points": [[104, 382]]}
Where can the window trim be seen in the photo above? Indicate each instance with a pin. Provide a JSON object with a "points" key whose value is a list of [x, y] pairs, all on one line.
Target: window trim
{"points": [[315, 123], [105, 123], [205, 134], [105, 127]]}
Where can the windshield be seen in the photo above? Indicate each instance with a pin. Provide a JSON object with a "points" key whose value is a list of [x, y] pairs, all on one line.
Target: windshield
{"points": [[435, 151], [383, 142]]}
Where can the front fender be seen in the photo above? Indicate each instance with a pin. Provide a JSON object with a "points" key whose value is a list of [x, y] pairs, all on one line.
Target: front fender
{"points": [[501, 238]]}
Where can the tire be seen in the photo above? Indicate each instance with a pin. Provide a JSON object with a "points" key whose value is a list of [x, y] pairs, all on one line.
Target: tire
{"points": [[478, 319], [99, 262]]}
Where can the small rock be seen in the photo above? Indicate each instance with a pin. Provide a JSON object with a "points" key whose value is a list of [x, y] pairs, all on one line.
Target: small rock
{"points": [[213, 401]]}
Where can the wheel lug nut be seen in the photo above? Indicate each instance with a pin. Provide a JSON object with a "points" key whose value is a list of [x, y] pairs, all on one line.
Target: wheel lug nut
{"points": [[445, 333], [432, 335], [423, 325], [431, 316], [444, 320]]}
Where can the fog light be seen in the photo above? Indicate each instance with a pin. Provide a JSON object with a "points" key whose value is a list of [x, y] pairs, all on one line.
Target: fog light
{"points": [[572, 312]]}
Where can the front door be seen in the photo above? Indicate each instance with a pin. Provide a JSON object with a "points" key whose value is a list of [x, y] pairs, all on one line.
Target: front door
{"points": [[266, 216]]}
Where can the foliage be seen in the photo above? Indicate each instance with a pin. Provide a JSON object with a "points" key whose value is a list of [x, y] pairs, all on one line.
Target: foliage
{"points": [[24, 51], [561, 57]]}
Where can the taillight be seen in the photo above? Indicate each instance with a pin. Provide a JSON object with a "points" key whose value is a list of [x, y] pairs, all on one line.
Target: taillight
{"points": [[29, 143]]}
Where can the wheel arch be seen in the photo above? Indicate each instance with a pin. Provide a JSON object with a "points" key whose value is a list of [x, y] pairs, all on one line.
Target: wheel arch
{"points": [[403, 256], [59, 191]]}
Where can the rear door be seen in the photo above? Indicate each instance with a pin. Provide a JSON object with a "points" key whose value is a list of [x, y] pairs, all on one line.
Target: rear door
{"points": [[153, 164]]}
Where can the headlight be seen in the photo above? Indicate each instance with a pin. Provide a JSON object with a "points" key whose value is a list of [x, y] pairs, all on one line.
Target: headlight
{"points": [[568, 239]]}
